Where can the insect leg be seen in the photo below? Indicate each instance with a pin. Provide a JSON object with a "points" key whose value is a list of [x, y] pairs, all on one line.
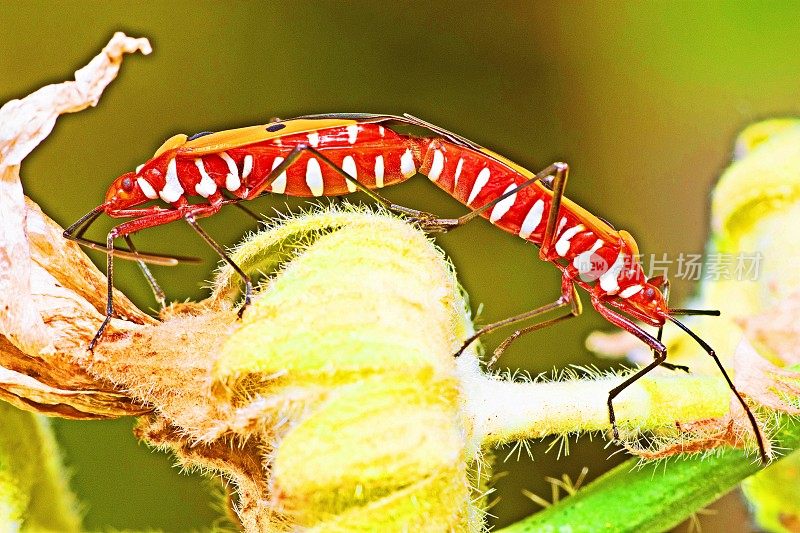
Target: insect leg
{"points": [[75, 233], [203, 211], [661, 282], [559, 184], [292, 158], [157, 292], [109, 290], [232, 200], [150, 217], [261, 185], [659, 354], [710, 351], [569, 296], [575, 310]]}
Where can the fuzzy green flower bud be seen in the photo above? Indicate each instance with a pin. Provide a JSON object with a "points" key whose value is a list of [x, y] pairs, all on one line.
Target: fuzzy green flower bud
{"points": [[370, 434]]}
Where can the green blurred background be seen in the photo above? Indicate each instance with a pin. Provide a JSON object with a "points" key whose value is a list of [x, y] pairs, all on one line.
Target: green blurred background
{"points": [[642, 99]]}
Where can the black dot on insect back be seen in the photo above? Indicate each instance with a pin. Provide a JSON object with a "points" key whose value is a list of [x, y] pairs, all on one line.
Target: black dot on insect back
{"points": [[198, 135], [275, 127]]}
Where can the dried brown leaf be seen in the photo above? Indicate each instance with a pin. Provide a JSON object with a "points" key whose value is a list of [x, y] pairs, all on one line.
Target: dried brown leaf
{"points": [[51, 295]]}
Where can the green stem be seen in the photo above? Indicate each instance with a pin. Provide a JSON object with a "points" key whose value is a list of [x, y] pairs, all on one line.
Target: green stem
{"points": [[505, 411], [653, 498]]}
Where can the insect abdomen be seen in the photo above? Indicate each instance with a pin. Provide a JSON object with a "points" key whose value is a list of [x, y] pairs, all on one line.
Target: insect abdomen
{"points": [[474, 179], [377, 157], [374, 167]]}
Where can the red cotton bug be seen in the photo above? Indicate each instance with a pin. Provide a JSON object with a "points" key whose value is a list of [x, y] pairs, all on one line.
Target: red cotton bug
{"points": [[338, 154]]}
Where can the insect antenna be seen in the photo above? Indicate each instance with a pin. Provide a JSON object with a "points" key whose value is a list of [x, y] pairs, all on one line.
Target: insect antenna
{"points": [[694, 312], [710, 351], [75, 233]]}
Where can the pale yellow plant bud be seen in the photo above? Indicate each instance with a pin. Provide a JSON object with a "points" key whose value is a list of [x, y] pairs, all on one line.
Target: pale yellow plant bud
{"points": [[354, 371]]}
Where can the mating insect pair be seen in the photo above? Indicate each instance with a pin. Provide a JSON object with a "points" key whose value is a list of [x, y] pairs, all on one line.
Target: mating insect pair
{"points": [[331, 155]]}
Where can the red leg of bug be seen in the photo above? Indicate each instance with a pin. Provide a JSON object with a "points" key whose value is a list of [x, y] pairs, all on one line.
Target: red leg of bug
{"points": [[662, 283], [258, 187], [659, 353], [150, 217], [75, 233], [156, 216], [559, 185], [576, 309]]}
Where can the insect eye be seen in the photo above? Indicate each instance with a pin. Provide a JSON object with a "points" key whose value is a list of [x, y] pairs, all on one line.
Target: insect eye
{"points": [[127, 184], [649, 293], [275, 127]]}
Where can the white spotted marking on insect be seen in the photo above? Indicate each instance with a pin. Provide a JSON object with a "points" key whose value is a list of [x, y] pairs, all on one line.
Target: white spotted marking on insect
{"points": [[480, 181], [277, 142], [247, 165], [172, 188], [279, 183], [313, 139], [561, 224], [349, 166], [232, 181], [630, 291], [436, 166], [314, 177], [146, 188], [232, 168], [532, 219], [206, 186], [139, 168], [352, 133], [502, 207], [563, 244], [608, 281], [459, 166], [381, 131], [379, 171], [583, 261], [407, 166]]}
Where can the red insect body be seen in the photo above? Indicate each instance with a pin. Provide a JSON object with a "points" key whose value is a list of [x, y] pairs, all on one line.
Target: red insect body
{"points": [[587, 250], [310, 156], [369, 152]]}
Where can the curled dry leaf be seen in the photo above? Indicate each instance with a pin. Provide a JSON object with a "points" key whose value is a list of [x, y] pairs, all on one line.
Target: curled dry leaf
{"points": [[694, 437], [50, 293]]}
